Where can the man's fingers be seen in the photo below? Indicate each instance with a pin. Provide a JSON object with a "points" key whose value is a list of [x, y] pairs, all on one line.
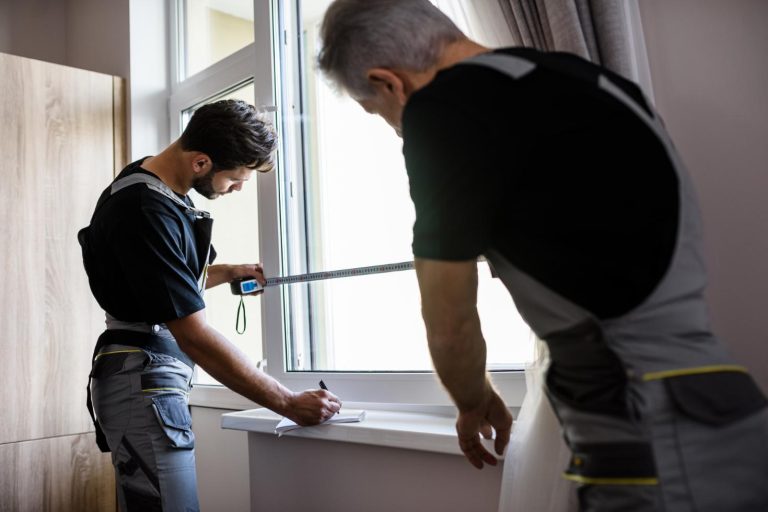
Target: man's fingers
{"points": [[501, 419], [331, 397], [502, 440], [475, 452], [331, 403], [334, 407], [470, 452], [486, 431]]}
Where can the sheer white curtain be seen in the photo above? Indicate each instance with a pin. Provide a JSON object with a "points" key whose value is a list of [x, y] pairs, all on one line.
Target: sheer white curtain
{"points": [[481, 20], [537, 455]]}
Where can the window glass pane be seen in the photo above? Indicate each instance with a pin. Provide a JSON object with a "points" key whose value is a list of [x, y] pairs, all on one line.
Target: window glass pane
{"points": [[358, 212], [236, 239], [213, 30]]}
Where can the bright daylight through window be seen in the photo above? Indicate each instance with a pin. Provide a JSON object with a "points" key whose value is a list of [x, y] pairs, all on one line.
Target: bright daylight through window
{"points": [[357, 211]]}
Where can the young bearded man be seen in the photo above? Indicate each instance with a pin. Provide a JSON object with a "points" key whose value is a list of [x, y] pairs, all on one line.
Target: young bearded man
{"points": [[148, 257]]}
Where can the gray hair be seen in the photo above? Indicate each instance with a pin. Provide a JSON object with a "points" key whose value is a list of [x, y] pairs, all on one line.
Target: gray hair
{"points": [[358, 35]]}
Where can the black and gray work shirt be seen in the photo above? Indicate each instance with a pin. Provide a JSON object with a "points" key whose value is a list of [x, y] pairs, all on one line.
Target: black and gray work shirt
{"points": [[567, 184]]}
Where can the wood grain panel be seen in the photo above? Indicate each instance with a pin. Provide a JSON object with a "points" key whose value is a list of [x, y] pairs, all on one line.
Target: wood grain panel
{"points": [[60, 474], [22, 260], [79, 165], [57, 141]]}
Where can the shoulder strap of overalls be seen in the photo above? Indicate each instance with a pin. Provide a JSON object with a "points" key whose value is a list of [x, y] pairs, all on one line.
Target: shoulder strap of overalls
{"points": [[158, 186], [517, 67], [511, 65]]}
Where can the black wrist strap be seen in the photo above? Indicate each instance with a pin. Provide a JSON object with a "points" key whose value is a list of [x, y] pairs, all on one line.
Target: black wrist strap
{"points": [[240, 309]]}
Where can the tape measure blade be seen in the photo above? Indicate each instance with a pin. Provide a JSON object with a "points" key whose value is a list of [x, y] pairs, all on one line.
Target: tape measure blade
{"points": [[335, 274]]}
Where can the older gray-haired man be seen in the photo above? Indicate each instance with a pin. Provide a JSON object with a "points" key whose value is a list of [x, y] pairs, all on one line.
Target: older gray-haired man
{"points": [[560, 173]]}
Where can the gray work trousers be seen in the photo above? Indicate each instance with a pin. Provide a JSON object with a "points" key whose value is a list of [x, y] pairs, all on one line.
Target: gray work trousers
{"points": [[701, 467], [141, 401]]}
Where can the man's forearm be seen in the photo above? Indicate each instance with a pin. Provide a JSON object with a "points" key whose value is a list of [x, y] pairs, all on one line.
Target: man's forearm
{"points": [[218, 274], [228, 364], [459, 357], [448, 306]]}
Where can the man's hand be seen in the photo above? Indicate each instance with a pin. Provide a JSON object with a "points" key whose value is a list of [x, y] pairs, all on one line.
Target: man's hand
{"points": [[449, 307], [220, 274], [473, 423], [312, 407]]}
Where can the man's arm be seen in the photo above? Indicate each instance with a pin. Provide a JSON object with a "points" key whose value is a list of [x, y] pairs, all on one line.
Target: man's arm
{"points": [[220, 274], [449, 308], [227, 364]]}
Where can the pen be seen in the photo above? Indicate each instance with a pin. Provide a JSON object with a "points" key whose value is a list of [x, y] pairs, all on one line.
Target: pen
{"points": [[323, 386]]}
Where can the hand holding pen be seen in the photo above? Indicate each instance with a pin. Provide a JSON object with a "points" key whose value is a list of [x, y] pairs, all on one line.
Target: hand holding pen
{"points": [[312, 407], [325, 388]]}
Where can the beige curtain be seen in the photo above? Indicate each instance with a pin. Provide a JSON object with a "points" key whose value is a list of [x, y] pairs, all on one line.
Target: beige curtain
{"points": [[594, 29]]}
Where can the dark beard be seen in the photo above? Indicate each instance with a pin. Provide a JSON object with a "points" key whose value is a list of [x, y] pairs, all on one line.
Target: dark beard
{"points": [[204, 186]]}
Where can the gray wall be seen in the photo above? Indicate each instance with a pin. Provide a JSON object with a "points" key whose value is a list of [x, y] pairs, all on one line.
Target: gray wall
{"points": [[710, 77], [86, 34]]}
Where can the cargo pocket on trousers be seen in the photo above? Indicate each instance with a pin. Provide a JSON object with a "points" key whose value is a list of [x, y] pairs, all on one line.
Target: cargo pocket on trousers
{"points": [[721, 439], [716, 399], [172, 412]]}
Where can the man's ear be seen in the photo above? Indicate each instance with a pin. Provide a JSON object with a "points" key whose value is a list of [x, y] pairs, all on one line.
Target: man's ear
{"points": [[201, 163], [389, 83]]}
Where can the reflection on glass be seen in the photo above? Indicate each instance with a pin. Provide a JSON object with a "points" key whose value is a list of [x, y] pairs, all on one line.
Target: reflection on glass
{"points": [[213, 30], [359, 213], [236, 239]]}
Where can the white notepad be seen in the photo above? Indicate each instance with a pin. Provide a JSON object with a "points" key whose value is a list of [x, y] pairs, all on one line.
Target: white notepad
{"points": [[351, 416]]}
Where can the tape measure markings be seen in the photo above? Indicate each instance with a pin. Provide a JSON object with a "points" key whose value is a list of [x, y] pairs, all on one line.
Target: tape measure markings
{"points": [[333, 274]]}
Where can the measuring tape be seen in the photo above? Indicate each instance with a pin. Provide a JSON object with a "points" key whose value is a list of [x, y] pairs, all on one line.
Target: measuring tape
{"points": [[249, 285]]}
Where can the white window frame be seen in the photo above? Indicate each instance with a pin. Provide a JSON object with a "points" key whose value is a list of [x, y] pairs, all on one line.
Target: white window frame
{"points": [[259, 62]]}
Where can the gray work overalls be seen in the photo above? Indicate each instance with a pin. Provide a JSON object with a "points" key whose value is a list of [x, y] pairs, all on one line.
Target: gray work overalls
{"points": [[655, 413], [140, 397]]}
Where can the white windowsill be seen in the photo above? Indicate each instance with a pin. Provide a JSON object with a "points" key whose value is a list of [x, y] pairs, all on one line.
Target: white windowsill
{"points": [[411, 427]]}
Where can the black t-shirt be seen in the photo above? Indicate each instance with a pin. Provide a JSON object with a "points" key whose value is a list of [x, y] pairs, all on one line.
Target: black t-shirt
{"points": [[143, 263], [560, 177]]}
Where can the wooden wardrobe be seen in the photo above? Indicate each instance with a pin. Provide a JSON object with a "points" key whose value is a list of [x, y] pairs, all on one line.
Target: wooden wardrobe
{"points": [[62, 133]]}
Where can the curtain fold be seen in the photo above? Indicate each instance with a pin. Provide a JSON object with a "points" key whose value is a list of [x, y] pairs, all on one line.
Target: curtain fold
{"points": [[594, 29]]}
